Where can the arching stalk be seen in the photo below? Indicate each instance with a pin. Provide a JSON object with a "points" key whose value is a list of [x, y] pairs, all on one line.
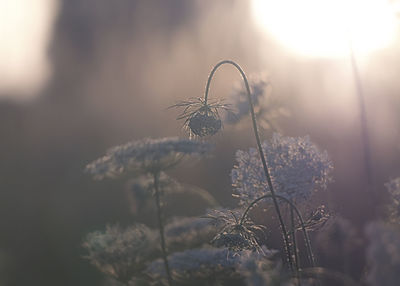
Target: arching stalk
{"points": [[262, 156], [298, 214]]}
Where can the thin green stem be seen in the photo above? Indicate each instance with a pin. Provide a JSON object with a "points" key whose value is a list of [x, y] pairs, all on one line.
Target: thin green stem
{"points": [[299, 216], [261, 152], [161, 227]]}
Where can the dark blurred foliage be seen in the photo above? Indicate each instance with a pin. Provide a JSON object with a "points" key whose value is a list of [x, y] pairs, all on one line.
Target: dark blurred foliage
{"points": [[117, 66]]}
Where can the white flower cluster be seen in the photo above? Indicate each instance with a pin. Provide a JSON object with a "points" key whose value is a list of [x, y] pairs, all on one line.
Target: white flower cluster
{"points": [[239, 100], [393, 187], [266, 107], [196, 261], [259, 272], [189, 232], [145, 156], [296, 166], [118, 251], [383, 255]]}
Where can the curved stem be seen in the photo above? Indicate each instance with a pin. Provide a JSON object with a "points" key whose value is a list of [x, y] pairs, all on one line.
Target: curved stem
{"points": [[262, 156], [293, 206], [161, 227]]}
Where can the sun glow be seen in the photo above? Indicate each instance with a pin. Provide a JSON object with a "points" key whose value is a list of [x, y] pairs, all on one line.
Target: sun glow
{"points": [[325, 28], [25, 29]]}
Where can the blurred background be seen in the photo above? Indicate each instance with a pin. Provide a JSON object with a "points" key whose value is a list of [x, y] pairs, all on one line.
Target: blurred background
{"points": [[79, 76]]}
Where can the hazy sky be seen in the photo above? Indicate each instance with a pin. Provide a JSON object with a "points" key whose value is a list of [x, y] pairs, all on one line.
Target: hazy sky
{"points": [[101, 72]]}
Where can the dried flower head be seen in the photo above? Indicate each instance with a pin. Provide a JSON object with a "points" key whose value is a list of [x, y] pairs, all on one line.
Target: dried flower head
{"points": [[120, 253], [296, 165], [145, 156], [234, 233], [201, 118]]}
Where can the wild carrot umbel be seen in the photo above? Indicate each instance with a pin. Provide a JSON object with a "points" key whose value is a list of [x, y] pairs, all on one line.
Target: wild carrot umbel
{"points": [[205, 125], [150, 157]]}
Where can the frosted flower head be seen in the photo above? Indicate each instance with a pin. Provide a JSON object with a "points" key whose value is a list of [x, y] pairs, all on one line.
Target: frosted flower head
{"points": [[266, 107], [393, 188], [197, 266], [201, 118], [238, 97], [297, 167], [383, 254], [258, 271], [189, 232], [119, 252], [145, 156]]}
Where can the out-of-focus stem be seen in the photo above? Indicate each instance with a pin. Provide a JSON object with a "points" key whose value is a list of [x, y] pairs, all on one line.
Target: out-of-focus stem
{"points": [[364, 126], [161, 227]]}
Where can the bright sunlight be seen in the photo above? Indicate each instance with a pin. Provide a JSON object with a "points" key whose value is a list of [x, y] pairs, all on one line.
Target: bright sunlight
{"points": [[326, 28], [25, 29]]}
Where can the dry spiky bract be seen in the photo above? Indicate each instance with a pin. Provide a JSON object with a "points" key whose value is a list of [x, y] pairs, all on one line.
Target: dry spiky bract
{"points": [[145, 156], [201, 118], [296, 165], [235, 233]]}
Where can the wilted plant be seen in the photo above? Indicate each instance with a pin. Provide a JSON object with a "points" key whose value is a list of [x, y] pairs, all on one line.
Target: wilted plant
{"points": [[204, 124], [285, 170]]}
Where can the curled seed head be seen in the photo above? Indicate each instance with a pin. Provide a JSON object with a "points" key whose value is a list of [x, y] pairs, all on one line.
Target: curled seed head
{"points": [[234, 241], [204, 122]]}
